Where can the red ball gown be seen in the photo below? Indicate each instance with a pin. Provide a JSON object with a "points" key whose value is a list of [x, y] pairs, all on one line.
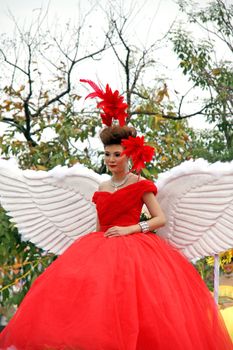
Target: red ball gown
{"points": [[134, 292]]}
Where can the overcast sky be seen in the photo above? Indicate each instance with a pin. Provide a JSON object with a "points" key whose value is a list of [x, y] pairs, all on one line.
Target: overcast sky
{"points": [[152, 19]]}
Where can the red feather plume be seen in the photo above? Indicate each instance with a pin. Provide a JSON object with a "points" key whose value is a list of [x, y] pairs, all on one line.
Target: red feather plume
{"points": [[140, 153], [112, 103]]}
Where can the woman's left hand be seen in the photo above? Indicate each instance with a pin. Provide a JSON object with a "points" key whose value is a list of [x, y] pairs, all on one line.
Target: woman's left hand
{"points": [[118, 231]]}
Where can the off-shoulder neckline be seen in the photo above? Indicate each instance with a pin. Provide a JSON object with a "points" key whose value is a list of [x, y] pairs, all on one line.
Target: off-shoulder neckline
{"points": [[120, 189]]}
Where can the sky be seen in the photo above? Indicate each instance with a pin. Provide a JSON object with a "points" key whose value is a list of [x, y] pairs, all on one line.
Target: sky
{"points": [[150, 21]]}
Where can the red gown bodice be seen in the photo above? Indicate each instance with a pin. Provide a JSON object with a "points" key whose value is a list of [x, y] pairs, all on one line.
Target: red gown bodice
{"points": [[122, 207]]}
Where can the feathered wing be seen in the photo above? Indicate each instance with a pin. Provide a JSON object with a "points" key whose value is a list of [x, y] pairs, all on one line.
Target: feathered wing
{"points": [[198, 201], [51, 209]]}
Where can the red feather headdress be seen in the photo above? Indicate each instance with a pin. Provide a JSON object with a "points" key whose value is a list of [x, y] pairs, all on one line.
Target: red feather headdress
{"points": [[137, 151], [112, 103], [114, 107]]}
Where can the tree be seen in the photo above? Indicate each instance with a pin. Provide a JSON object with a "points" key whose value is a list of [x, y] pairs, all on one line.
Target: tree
{"points": [[172, 139], [41, 96], [205, 67], [134, 61], [211, 145]]}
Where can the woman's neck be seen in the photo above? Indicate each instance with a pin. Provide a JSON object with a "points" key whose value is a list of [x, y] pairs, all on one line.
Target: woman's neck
{"points": [[119, 176]]}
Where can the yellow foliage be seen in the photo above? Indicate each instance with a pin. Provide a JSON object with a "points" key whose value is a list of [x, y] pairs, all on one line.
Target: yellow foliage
{"points": [[46, 95], [138, 109], [168, 139], [171, 114], [16, 143], [159, 150], [164, 159], [158, 117], [18, 105], [7, 105], [216, 71], [41, 167], [77, 97], [55, 110], [161, 94], [225, 258], [210, 261], [186, 137], [73, 161]]}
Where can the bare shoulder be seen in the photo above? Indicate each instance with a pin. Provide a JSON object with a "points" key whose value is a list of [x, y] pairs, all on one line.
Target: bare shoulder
{"points": [[135, 178], [104, 185], [141, 178]]}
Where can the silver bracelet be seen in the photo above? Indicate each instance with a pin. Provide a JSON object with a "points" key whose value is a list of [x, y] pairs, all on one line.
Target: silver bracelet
{"points": [[144, 226]]}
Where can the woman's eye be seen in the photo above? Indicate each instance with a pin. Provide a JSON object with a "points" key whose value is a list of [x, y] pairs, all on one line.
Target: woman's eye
{"points": [[118, 154]]}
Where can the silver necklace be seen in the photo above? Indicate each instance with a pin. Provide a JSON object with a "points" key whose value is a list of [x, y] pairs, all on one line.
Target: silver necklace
{"points": [[119, 184]]}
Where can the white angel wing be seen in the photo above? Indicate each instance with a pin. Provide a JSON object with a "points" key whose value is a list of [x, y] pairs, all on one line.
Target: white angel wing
{"points": [[197, 199], [51, 209]]}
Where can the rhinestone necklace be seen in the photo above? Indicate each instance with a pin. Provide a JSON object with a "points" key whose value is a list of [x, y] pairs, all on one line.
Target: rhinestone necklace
{"points": [[119, 184]]}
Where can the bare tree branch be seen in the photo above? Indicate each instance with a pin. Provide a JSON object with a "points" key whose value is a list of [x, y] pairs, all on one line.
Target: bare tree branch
{"points": [[14, 65], [179, 116], [68, 88]]}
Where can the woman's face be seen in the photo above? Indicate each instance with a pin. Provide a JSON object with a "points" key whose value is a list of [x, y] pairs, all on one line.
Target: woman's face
{"points": [[115, 162]]}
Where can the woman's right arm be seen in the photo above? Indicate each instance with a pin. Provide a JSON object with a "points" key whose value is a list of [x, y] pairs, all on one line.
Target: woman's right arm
{"points": [[101, 187], [97, 224]]}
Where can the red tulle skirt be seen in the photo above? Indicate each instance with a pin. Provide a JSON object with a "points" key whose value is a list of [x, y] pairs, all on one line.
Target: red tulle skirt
{"points": [[133, 292]]}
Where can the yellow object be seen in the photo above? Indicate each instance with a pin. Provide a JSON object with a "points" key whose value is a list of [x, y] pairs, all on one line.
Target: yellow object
{"points": [[227, 312], [226, 291], [225, 258], [227, 315]]}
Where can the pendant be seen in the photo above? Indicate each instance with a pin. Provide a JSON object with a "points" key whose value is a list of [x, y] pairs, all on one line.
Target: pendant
{"points": [[116, 185]]}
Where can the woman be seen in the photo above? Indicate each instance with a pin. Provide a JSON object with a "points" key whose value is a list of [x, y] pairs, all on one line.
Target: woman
{"points": [[118, 165], [121, 287]]}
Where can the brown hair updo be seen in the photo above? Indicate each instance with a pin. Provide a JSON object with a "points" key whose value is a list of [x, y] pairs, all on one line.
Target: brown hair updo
{"points": [[114, 134]]}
